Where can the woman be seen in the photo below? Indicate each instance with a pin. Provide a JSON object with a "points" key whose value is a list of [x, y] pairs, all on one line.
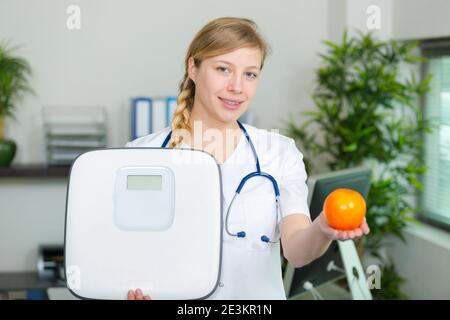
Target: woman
{"points": [[223, 65]]}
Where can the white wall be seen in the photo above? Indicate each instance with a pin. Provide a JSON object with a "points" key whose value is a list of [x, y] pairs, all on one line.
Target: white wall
{"points": [[127, 48], [32, 213], [423, 261], [358, 16], [400, 19], [419, 19], [352, 15], [337, 19]]}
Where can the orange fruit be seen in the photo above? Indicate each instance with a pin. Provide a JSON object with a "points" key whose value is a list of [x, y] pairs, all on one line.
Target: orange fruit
{"points": [[344, 209]]}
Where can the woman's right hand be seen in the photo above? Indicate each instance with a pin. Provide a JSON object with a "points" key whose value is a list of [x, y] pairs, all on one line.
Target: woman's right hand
{"points": [[137, 295]]}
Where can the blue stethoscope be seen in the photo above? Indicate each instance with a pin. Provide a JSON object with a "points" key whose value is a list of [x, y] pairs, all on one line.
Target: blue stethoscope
{"points": [[257, 173]]}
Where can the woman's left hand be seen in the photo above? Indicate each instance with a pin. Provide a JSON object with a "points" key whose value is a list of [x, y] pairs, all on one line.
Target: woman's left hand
{"points": [[342, 235]]}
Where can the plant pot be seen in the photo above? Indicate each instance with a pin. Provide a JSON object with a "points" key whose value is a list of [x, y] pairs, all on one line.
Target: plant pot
{"points": [[7, 152]]}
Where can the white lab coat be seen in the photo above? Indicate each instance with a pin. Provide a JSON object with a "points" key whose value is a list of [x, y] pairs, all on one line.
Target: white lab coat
{"points": [[251, 269]]}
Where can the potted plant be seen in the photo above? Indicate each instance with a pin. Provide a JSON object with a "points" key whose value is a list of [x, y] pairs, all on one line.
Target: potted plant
{"points": [[14, 72], [368, 114]]}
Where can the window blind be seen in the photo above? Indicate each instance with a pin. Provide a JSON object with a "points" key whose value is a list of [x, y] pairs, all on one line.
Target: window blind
{"points": [[436, 195]]}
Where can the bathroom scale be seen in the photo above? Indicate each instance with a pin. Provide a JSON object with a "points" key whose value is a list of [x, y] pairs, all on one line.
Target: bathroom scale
{"points": [[147, 218]]}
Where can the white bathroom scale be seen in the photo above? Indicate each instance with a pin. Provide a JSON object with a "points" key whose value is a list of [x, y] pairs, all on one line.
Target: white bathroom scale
{"points": [[148, 218]]}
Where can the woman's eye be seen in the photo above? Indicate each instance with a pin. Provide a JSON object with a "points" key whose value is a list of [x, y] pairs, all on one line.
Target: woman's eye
{"points": [[222, 69], [251, 75]]}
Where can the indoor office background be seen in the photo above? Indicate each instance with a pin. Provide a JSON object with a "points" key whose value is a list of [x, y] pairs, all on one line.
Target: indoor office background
{"points": [[126, 49]]}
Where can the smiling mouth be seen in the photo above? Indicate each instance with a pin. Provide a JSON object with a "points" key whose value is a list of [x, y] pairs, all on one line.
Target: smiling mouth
{"points": [[231, 103]]}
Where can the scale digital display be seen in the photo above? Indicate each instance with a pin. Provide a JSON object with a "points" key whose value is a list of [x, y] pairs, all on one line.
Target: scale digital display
{"points": [[144, 182], [144, 198]]}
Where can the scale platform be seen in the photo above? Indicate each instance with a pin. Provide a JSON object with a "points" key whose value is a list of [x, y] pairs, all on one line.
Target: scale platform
{"points": [[148, 218]]}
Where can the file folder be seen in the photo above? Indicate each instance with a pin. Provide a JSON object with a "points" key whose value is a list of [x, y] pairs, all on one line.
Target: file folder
{"points": [[171, 107], [141, 117], [159, 112]]}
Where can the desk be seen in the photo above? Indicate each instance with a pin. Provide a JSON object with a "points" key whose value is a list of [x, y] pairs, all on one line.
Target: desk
{"points": [[25, 285]]}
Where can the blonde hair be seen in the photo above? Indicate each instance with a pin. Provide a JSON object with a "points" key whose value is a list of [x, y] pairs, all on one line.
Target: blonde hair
{"points": [[219, 36]]}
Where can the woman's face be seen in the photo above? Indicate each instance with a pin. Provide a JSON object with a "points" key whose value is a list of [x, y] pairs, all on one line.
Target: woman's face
{"points": [[226, 84]]}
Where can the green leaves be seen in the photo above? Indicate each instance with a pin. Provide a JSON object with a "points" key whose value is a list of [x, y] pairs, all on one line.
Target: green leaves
{"points": [[368, 110], [14, 72], [350, 148]]}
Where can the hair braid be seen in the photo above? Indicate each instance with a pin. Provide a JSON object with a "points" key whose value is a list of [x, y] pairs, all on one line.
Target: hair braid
{"points": [[181, 116]]}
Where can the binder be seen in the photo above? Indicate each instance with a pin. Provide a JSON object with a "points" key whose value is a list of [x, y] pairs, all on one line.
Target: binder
{"points": [[171, 107], [141, 117], [159, 114]]}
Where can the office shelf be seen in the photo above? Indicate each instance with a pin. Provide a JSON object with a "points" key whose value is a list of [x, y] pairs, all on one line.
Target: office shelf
{"points": [[35, 171], [25, 281]]}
